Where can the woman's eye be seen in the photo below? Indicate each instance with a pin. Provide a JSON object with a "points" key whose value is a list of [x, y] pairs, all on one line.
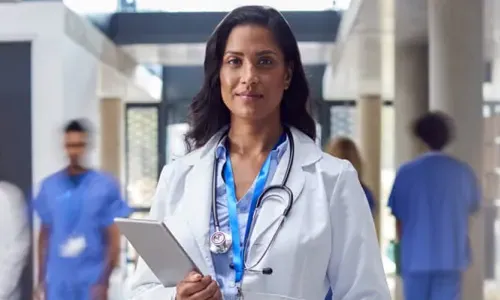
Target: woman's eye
{"points": [[265, 61], [234, 61]]}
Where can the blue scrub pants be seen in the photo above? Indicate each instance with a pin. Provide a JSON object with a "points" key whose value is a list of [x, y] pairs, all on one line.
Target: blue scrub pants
{"points": [[329, 296], [433, 285], [62, 291]]}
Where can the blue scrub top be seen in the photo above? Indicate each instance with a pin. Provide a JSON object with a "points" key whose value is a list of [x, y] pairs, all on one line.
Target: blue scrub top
{"points": [[78, 206], [369, 197], [433, 197]]}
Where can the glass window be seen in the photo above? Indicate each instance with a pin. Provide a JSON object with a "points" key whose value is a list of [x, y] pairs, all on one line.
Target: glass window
{"points": [[491, 194], [342, 121], [387, 221], [142, 154]]}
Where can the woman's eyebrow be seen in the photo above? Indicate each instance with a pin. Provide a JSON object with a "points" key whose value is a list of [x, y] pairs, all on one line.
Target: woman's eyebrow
{"points": [[231, 52], [259, 53], [265, 52]]}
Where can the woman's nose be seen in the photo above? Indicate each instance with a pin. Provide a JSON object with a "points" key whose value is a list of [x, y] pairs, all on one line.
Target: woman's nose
{"points": [[249, 75]]}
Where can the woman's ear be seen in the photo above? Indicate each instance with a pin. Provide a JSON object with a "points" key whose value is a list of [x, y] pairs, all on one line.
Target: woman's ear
{"points": [[288, 76]]}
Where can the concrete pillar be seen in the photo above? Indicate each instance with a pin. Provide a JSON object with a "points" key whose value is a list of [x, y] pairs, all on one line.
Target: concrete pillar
{"points": [[369, 108], [410, 101], [112, 136], [455, 84], [411, 97], [369, 116]]}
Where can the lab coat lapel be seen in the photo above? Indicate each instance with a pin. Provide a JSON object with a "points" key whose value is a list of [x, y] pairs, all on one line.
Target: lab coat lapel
{"points": [[269, 216], [197, 209]]}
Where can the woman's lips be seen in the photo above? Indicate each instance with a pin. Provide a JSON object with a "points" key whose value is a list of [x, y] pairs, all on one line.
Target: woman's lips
{"points": [[249, 96]]}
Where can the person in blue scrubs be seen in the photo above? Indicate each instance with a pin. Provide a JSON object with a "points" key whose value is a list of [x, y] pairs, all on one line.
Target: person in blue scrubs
{"points": [[78, 244], [345, 148], [432, 199]]}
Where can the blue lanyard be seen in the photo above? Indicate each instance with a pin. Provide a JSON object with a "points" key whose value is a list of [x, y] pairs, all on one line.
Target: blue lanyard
{"points": [[234, 224]]}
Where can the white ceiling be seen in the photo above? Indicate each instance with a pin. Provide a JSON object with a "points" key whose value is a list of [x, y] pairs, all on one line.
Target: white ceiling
{"points": [[120, 75], [410, 17], [411, 22], [391, 21], [386, 21]]}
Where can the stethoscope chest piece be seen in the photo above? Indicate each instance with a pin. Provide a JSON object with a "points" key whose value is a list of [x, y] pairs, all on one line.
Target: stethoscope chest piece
{"points": [[220, 242]]}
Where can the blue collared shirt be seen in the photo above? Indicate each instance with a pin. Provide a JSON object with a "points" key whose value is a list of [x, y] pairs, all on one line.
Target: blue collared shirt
{"points": [[432, 197], [225, 276]]}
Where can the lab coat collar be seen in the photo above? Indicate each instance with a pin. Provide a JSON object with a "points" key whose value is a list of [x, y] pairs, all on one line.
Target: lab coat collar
{"points": [[306, 151], [198, 190]]}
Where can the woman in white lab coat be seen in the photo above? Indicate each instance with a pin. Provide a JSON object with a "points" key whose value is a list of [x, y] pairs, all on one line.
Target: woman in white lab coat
{"points": [[250, 126]]}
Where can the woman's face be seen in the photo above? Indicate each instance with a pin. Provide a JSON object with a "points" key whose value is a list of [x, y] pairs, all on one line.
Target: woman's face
{"points": [[253, 73]]}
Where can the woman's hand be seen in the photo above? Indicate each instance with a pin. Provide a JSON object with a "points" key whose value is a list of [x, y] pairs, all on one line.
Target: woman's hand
{"points": [[39, 292], [99, 292], [197, 287]]}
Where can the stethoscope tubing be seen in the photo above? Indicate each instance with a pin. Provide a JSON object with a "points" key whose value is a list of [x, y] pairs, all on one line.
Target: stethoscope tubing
{"points": [[282, 186]]}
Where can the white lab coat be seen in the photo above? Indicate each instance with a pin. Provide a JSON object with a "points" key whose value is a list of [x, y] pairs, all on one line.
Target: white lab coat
{"points": [[327, 240], [14, 240]]}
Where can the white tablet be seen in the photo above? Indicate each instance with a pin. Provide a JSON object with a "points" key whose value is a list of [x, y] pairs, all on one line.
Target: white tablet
{"points": [[159, 249]]}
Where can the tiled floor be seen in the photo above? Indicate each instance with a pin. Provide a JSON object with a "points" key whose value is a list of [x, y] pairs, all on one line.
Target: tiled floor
{"points": [[491, 290]]}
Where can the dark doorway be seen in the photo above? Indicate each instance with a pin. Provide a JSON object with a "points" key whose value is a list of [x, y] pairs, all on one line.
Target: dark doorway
{"points": [[15, 127]]}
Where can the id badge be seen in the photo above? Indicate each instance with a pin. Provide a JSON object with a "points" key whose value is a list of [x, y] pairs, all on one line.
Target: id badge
{"points": [[73, 247]]}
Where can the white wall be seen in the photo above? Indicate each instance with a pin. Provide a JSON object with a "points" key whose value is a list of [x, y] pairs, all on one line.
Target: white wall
{"points": [[51, 106], [47, 106], [47, 88], [64, 87], [67, 80], [80, 76], [64, 79]]}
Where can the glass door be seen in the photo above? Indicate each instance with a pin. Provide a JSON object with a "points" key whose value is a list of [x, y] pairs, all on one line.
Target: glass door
{"points": [[142, 165]]}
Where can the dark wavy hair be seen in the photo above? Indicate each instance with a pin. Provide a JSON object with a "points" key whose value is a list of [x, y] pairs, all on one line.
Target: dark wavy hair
{"points": [[435, 129], [208, 113], [76, 126]]}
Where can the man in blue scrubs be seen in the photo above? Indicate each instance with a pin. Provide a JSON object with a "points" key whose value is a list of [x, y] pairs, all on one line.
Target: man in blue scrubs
{"points": [[79, 244], [432, 199]]}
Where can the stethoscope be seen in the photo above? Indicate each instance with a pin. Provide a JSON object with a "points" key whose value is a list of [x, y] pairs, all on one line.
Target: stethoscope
{"points": [[220, 242]]}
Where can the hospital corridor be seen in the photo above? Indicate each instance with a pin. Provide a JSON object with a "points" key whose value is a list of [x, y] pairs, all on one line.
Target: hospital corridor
{"points": [[239, 149]]}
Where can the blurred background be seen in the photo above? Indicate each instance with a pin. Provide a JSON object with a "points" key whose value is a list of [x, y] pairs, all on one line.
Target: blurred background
{"points": [[131, 67]]}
